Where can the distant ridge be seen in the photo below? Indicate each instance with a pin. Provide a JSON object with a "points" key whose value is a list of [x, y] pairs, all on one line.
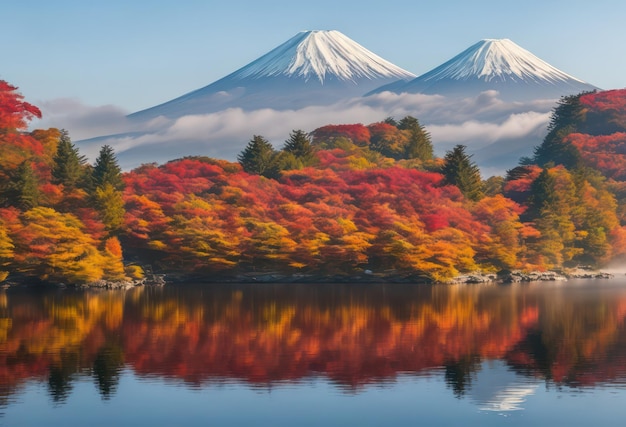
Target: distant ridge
{"points": [[311, 68], [494, 64]]}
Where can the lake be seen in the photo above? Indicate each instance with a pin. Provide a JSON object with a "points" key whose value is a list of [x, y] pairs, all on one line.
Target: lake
{"points": [[550, 353]]}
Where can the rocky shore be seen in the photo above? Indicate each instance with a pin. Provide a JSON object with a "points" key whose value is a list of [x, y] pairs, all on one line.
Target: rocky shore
{"points": [[149, 280], [515, 276]]}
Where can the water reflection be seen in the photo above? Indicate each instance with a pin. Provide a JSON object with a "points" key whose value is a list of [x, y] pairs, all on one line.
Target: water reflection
{"points": [[492, 345], [497, 388]]}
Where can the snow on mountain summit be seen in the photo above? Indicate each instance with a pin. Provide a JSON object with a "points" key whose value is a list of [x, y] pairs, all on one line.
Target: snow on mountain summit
{"points": [[320, 54], [311, 68], [498, 60], [494, 64]]}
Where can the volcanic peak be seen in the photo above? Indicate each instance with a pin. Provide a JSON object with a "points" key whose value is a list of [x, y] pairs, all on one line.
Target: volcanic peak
{"points": [[319, 55], [493, 60]]}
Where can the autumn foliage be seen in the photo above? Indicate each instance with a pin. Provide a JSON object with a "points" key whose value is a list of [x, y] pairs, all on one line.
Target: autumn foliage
{"points": [[48, 231], [197, 214], [14, 111], [367, 198], [358, 134]]}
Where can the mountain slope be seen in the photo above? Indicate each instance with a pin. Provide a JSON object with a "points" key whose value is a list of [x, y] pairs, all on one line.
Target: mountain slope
{"points": [[311, 68], [494, 64]]}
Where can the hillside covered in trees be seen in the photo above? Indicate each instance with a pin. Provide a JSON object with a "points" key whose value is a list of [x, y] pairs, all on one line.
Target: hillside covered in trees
{"points": [[340, 202]]}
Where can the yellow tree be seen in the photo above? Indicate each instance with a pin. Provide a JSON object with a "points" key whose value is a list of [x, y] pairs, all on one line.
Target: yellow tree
{"points": [[501, 246], [6, 251], [53, 246], [269, 243], [203, 245], [110, 205], [339, 246], [201, 238]]}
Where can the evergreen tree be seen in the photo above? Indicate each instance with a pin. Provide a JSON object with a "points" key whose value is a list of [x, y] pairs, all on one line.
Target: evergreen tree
{"points": [[106, 186], [567, 117], [287, 161], [260, 158], [419, 145], [493, 185], [69, 166], [408, 123], [594, 213], [542, 193], [391, 121], [299, 145], [23, 188], [551, 209], [460, 170], [106, 170]]}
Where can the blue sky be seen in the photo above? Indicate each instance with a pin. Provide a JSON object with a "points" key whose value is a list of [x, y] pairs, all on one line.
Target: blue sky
{"points": [[135, 54]]}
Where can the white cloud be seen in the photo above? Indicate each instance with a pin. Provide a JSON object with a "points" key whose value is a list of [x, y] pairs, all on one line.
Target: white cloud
{"points": [[516, 125], [83, 121], [475, 122]]}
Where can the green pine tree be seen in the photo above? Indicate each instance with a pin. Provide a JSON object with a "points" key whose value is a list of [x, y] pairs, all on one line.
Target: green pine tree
{"points": [[260, 158], [419, 145], [391, 121], [567, 117], [542, 193], [69, 166], [460, 170], [106, 170], [23, 188], [299, 145]]}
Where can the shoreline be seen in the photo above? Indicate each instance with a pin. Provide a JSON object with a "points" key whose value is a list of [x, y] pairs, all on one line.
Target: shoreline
{"points": [[158, 280]]}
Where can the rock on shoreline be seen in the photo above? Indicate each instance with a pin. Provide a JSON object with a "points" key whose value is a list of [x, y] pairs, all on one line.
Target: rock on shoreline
{"points": [[533, 276], [588, 273], [515, 276], [518, 276], [105, 284]]}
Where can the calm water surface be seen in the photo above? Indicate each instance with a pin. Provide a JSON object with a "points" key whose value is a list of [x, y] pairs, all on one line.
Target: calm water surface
{"points": [[309, 355]]}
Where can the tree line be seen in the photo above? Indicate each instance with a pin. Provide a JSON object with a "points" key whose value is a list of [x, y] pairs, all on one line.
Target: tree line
{"points": [[338, 201]]}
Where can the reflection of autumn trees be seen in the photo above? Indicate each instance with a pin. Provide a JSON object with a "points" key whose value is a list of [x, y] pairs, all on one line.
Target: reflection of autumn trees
{"points": [[52, 337], [575, 343], [264, 335], [352, 334]]}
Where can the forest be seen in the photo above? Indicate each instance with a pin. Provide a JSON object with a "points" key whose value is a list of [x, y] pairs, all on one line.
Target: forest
{"points": [[342, 201]]}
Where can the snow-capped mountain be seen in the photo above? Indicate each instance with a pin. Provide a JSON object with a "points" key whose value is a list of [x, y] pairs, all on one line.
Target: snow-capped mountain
{"points": [[320, 77], [494, 64], [311, 68]]}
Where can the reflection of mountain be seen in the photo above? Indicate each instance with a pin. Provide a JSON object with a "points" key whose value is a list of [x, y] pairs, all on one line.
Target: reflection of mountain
{"points": [[497, 388], [351, 335]]}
